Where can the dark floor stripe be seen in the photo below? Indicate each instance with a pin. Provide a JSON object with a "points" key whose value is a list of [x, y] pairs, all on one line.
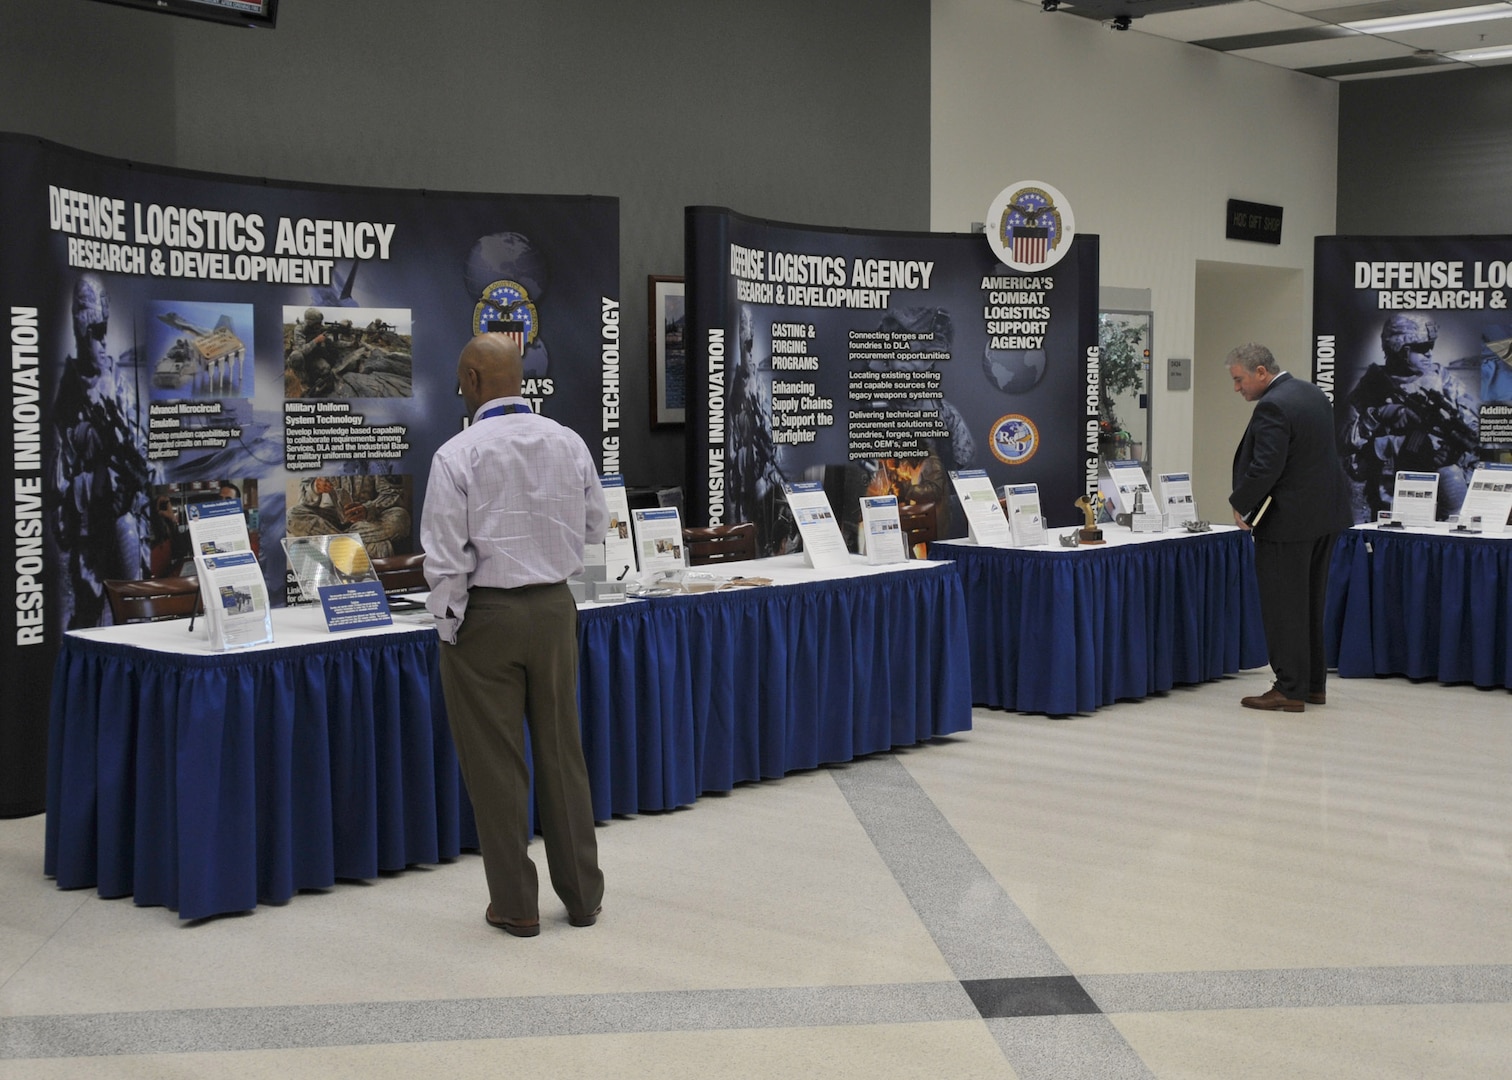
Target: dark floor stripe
{"points": [[1056, 995]]}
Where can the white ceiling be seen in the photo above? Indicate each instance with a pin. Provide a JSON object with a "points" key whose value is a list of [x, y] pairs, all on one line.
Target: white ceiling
{"points": [[1307, 35]]}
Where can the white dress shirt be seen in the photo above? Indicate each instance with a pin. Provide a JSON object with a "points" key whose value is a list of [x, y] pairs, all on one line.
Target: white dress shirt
{"points": [[510, 502]]}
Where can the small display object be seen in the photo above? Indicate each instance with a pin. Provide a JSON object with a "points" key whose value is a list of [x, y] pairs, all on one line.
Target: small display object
{"points": [[658, 538], [237, 608], [1025, 520], [1126, 479], [1488, 498], [618, 547], [1176, 501], [882, 530], [1090, 506], [335, 571], [1414, 498], [823, 544], [984, 514], [1144, 519]]}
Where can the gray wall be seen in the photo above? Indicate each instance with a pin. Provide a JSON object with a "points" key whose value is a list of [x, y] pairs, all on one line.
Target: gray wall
{"points": [[1426, 154], [797, 110]]}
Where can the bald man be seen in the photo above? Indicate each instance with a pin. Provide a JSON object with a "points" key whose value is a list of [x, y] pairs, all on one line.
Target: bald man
{"points": [[512, 500]]}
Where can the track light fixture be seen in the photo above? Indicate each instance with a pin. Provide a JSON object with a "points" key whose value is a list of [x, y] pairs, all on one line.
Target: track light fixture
{"points": [[1050, 5], [1121, 22]]}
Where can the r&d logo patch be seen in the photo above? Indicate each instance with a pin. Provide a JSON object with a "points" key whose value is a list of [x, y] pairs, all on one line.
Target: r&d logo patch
{"points": [[1013, 439]]}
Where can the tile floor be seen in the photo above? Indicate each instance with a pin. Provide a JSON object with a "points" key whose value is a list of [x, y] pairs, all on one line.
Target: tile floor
{"points": [[1170, 888]]}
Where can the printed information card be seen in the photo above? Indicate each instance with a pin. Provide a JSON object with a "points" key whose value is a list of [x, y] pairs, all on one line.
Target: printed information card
{"points": [[984, 514], [823, 543], [882, 530]]}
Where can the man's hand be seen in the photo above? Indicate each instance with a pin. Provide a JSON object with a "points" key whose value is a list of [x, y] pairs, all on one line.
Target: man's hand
{"points": [[1239, 521]]}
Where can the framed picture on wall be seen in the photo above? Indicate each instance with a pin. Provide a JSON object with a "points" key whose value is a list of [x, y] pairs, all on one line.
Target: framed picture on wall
{"points": [[665, 322]]}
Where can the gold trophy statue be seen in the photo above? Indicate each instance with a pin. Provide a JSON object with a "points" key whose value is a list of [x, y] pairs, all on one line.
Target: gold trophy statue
{"points": [[1090, 507]]}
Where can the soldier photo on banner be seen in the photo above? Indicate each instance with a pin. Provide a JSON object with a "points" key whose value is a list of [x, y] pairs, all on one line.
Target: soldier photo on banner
{"points": [[1409, 413], [98, 508], [347, 353], [373, 506]]}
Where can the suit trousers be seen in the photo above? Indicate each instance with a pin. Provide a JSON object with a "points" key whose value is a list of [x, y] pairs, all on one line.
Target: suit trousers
{"points": [[1293, 583], [516, 658]]}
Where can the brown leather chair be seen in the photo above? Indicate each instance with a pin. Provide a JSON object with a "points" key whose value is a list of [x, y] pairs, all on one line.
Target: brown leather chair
{"points": [[921, 525], [720, 544], [152, 599], [402, 573]]}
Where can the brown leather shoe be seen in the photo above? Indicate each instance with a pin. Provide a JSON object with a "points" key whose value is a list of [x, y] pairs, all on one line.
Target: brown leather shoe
{"points": [[1317, 698], [1274, 700], [511, 926], [588, 919]]}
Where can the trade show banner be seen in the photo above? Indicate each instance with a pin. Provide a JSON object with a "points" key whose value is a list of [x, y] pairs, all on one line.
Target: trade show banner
{"points": [[1412, 341], [878, 363], [179, 337]]}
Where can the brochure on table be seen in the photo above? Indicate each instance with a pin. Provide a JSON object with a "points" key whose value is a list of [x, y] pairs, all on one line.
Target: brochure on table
{"points": [[1414, 498], [658, 538], [335, 571], [218, 527], [1176, 500], [823, 545], [1127, 479], [238, 613], [1025, 521], [1489, 498], [984, 514], [618, 548], [882, 530]]}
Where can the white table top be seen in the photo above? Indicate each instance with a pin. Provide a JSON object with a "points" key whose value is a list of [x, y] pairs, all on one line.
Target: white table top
{"points": [[304, 624]]}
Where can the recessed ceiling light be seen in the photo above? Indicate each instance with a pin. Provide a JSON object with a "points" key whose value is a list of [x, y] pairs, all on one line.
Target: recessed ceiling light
{"points": [[1450, 17]]}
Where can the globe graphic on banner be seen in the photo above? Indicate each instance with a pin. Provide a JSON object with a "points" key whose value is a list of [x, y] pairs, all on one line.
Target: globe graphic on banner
{"points": [[1013, 371]]}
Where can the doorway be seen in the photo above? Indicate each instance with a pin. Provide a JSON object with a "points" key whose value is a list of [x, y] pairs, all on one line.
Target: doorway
{"points": [[1235, 304]]}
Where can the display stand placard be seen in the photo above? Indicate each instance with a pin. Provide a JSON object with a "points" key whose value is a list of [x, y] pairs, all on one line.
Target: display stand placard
{"points": [[1128, 479], [335, 572], [1025, 521], [1489, 498], [823, 545], [882, 530], [237, 610], [659, 538], [619, 547], [1176, 500], [984, 514], [1414, 499], [218, 527]]}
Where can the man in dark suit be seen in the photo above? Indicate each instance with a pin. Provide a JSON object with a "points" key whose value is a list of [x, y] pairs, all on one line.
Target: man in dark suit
{"points": [[1289, 457]]}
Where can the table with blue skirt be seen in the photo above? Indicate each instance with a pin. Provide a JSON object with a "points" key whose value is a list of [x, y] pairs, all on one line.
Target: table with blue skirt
{"points": [[1421, 603], [1061, 630], [211, 782]]}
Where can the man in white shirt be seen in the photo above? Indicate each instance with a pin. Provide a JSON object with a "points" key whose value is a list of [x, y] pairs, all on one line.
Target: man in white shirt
{"points": [[511, 501]]}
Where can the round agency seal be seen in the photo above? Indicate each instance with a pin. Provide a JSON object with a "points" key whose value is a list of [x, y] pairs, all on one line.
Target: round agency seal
{"points": [[1014, 439], [1030, 226], [508, 301]]}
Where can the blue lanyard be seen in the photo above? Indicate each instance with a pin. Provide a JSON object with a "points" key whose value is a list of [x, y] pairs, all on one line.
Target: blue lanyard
{"points": [[500, 410]]}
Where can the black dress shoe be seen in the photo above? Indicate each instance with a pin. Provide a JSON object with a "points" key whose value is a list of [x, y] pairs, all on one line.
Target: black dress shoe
{"points": [[512, 926], [588, 919], [1274, 700]]}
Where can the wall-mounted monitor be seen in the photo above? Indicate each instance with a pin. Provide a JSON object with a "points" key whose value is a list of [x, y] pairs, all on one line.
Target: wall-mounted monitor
{"points": [[263, 13]]}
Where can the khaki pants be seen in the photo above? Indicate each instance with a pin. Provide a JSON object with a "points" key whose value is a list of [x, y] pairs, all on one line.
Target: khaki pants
{"points": [[516, 655]]}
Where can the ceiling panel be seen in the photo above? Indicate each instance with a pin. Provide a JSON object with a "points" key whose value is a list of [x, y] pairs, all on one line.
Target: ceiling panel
{"points": [[1305, 35]]}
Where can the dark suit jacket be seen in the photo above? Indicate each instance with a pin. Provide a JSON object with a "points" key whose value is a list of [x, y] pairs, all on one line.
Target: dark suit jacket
{"points": [[1289, 453]]}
